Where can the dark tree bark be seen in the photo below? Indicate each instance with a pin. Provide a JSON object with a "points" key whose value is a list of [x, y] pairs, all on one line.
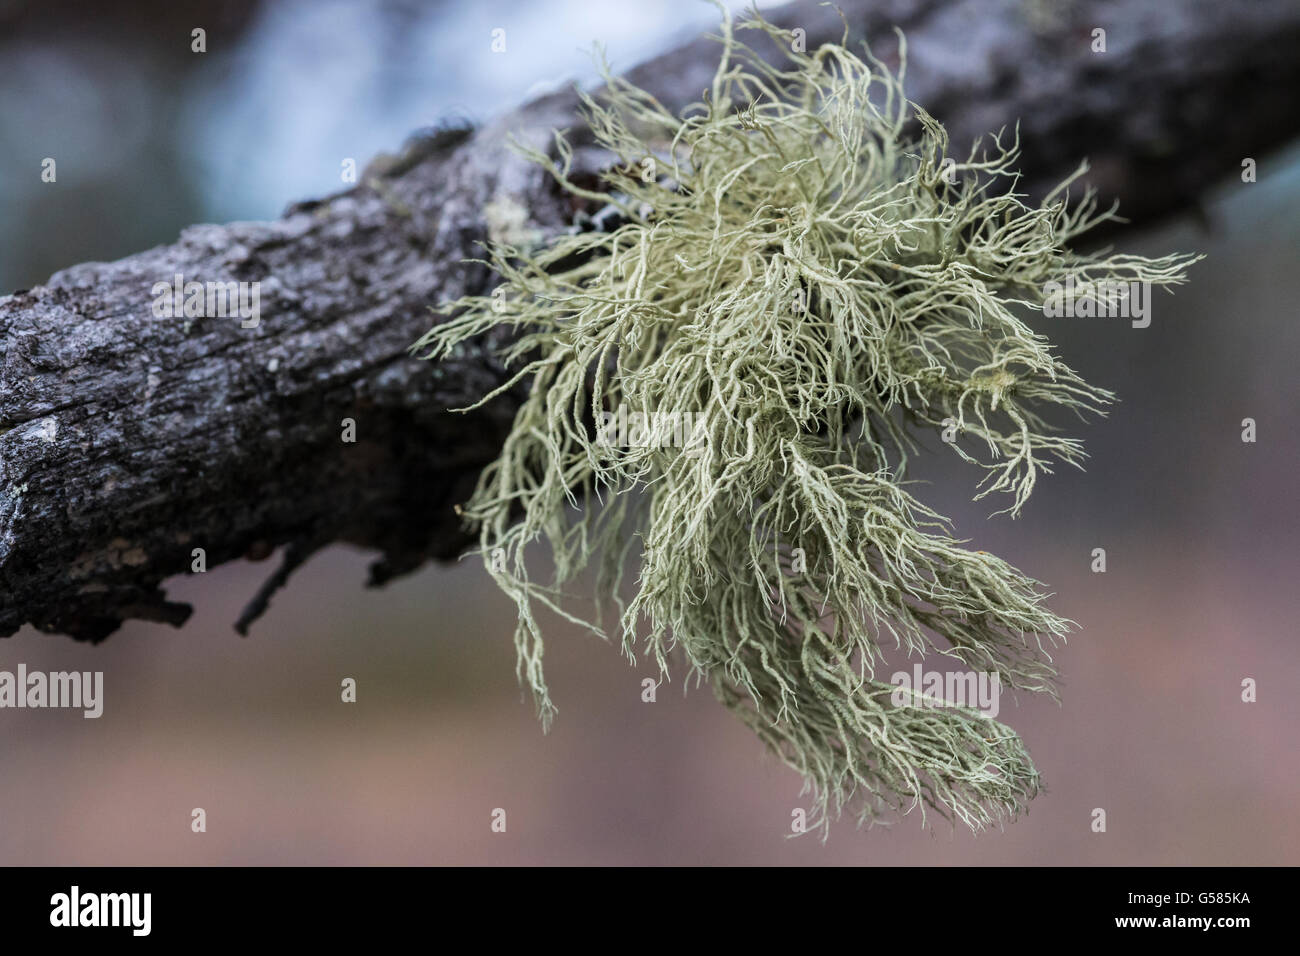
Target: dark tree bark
{"points": [[127, 441]]}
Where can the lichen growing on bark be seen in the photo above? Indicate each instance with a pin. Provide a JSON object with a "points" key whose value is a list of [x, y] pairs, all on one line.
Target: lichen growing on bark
{"points": [[797, 273]]}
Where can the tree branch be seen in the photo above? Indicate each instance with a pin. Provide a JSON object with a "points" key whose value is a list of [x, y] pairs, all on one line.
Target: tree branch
{"points": [[128, 441]]}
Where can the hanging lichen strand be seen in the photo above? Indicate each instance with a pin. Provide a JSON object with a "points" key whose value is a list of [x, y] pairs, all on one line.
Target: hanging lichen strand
{"points": [[803, 285]]}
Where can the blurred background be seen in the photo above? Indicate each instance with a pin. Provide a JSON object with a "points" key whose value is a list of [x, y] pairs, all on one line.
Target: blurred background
{"points": [[1200, 529]]}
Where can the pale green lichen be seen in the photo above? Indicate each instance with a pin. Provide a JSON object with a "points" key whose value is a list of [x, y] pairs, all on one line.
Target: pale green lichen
{"points": [[801, 277]]}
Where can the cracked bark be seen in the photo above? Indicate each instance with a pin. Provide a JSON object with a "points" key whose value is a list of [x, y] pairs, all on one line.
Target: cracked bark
{"points": [[128, 441]]}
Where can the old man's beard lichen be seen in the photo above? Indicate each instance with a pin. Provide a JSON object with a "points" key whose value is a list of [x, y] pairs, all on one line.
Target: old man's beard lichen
{"points": [[812, 284]]}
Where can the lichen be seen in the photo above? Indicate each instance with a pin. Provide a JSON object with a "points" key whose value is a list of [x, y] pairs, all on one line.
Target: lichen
{"points": [[802, 273], [508, 223]]}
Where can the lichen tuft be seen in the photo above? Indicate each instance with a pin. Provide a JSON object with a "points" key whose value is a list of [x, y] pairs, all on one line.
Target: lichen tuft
{"points": [[797, 273]]}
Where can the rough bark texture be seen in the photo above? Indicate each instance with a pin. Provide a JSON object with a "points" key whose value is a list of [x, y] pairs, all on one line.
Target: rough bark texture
{"points": [[127, 441]]}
